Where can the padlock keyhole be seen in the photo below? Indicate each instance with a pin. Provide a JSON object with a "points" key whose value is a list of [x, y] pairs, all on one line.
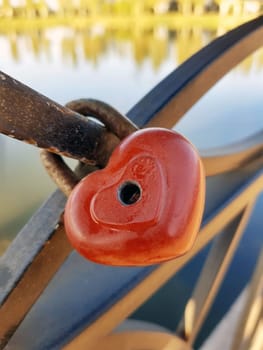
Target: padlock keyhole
{"points": [[129, 193]]}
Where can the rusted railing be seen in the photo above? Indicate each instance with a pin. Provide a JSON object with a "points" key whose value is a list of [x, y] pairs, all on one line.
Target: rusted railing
{"points": [[29, 264]]}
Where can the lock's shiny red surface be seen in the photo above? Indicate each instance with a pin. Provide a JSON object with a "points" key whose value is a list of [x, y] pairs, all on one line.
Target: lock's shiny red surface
{"points": [[145, 207]]}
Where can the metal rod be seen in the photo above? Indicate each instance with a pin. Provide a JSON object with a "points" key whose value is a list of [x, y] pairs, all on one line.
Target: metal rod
{"points": [[252, 311], [184, 87], [212, 275], [30, 262], [33, 118]]}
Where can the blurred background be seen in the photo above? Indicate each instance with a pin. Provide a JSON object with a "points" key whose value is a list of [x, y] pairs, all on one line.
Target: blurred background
{"points": [[117, 51]]}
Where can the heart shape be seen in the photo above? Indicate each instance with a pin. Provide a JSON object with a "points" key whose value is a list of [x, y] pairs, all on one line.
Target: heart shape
{"points": [[139, 172], [145, 207]]}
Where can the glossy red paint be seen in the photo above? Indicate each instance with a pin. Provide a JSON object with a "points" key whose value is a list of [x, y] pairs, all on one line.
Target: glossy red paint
{"points": [[145, 207]]}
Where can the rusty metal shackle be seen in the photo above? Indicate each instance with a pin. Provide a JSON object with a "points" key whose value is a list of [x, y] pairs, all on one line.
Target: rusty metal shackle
{"points": [[114, 121]]}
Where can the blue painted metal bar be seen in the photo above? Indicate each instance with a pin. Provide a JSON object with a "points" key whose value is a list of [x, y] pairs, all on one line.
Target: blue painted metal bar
{"points": [[163, 94]]}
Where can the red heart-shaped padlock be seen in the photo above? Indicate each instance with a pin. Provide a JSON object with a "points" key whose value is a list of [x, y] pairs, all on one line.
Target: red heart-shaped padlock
{"points": [[145, 207]]}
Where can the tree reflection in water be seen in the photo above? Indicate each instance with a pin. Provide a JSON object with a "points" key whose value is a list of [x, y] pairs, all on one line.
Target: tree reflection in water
{"points": [[141, 41]]}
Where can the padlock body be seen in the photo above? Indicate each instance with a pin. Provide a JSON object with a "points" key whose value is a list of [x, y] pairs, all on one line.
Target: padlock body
{"points": [[145, 207]]}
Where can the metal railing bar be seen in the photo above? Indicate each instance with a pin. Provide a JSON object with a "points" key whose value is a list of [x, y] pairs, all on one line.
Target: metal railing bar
{"points": [[252, 311], [187, 84], [35, 255], [29, 288], [231, 157], [139, 339], [176, 94], [212, 275], [29, 242], [33, 118], [221, 164], [256, 336], [254, 140], [211, 226]]}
